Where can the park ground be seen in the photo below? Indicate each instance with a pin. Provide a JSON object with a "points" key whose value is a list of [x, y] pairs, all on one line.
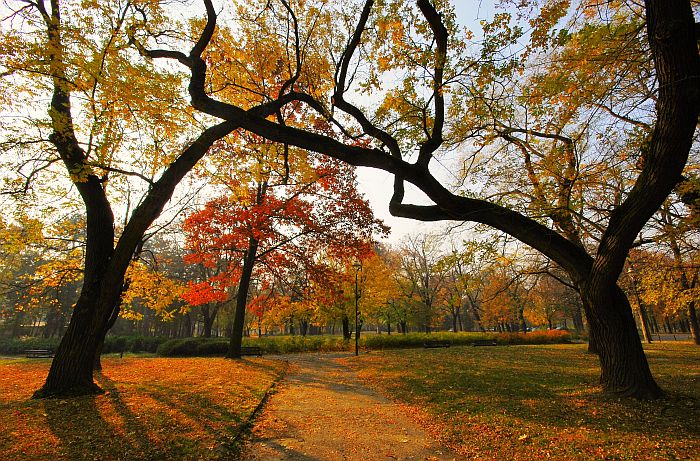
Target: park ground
{"points": [[505, 402]]}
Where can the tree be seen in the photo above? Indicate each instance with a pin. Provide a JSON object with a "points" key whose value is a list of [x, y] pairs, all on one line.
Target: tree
{"points": [[425, 276], [91, 136], [664, 288], [469, 266], [378, 287], [422, 43], [276, 225], [552, 301], [676, 230]]}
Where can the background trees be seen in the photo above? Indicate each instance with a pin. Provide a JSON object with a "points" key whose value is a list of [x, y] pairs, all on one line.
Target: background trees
{"points": [[531, 152]]}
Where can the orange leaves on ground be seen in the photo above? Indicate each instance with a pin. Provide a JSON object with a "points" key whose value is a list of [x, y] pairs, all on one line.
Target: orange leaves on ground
{"points": [[152, 409]]}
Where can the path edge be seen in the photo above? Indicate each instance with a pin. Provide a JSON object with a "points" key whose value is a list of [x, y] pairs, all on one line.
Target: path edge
{"points": [[237, 442]]}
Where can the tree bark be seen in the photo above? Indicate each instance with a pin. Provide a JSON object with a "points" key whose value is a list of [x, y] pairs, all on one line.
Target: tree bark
{"points": [[346, 328], [72, 367], [693, 323], [209, 314], [578, 319], [101, 340], [624, 367], [234, 349]]}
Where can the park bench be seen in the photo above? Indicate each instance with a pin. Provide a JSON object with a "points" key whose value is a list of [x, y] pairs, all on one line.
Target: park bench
{"points": [[484, 342], [251, 350], [38, 353], [434, 344]]}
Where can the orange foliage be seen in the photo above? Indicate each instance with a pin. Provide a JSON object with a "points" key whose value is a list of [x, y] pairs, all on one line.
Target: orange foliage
{"points": [[153, 409]]}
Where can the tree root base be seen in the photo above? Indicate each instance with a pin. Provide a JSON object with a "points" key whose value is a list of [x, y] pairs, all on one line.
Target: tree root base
{"points": [[73, 391]]}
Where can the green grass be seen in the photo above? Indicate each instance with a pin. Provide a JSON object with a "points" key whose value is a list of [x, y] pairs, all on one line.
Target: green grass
{"points": [[542, 402]]}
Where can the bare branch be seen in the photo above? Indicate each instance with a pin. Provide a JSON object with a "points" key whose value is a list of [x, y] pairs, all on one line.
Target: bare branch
{"points": [[441, 35]]}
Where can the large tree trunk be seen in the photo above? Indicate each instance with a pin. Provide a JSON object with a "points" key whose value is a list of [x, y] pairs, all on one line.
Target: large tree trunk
{"points": [[72, 367], [234, 348], [101, 340], [578, 319], [624, 367]]}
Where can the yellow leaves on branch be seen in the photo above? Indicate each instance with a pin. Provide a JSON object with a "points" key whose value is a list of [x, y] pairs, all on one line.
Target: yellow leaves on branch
{"points": [[153, 290]]}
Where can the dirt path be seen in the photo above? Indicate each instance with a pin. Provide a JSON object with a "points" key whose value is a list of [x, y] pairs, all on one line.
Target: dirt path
{"points": [[323, 412]]}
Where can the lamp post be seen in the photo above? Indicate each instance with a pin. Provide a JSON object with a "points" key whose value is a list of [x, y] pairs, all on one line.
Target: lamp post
{"points": [[358, 268]]}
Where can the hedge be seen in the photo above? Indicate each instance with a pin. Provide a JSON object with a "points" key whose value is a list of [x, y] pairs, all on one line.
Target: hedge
{"points": [[190, 347], [113, 344]]}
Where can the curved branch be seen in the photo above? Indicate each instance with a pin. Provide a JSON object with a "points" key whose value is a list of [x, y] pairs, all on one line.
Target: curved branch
{"points": [[671, 32], [440, 31], [340, 86]]}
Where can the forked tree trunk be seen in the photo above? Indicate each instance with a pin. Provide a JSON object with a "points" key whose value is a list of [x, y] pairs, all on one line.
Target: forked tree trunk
{"points": [[208, 319], [110, 323], [72, 367], [613, 331]]}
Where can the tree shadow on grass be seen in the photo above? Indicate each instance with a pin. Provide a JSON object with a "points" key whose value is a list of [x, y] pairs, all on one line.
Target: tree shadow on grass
{"points": [[221, 423], [84, 433], [542, 391]]}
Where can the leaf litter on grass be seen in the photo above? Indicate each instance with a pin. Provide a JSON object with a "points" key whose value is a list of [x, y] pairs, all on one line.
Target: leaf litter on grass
{"points": [[541, 402], [153, 409]]}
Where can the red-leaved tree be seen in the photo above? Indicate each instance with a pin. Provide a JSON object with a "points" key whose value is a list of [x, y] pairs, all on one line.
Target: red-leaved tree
{"points": [[276, 225]]}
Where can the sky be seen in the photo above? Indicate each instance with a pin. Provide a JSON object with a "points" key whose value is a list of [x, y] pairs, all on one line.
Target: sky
{"points": [[377, 185]]}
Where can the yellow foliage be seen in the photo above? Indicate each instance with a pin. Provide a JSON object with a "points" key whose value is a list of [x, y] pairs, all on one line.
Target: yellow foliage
{"points": [[153, 290]]}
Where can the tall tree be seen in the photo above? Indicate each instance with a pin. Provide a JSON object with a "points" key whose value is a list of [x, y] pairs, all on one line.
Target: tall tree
{"points": [[423, 43], [91, 135], [277, 225], [420, 265]]}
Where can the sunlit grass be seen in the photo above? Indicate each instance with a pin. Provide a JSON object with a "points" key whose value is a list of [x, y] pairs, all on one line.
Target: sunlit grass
{"points": [[542, 402], [153, 409]]}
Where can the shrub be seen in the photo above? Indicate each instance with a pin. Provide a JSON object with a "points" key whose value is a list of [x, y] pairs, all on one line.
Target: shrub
{"points": [[293, 344], [212, 347], [397, 341], [178, 347], [117, 344], [535, 337], [17, 346], [114, 344]]}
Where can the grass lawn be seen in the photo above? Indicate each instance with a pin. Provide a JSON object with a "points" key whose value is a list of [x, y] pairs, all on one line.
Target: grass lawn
{"points": [[154, 409], [542, 402]]}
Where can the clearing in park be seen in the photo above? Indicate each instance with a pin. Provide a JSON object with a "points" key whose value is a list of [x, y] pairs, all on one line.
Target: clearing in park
{"points": [[510, 402]]}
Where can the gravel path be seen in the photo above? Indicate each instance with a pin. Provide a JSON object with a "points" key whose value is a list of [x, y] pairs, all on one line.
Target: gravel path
{"points": [[321, 411]]}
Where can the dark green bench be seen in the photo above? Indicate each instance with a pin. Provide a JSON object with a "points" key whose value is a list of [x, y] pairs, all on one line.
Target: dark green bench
{"points": [[251, 350], [38, 353]]}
